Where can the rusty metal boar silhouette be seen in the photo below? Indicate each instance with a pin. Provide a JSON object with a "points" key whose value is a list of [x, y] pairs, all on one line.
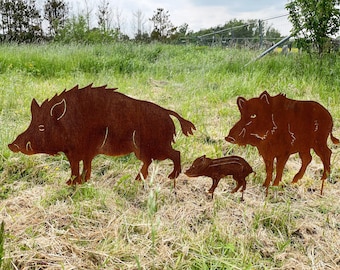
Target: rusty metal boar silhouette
{"points": [[279, 127], [218, 168], [83, 123]]}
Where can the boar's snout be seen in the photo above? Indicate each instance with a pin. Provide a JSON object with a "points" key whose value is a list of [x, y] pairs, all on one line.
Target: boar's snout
{"points": [[14, 147], [230, 139], [187, 172], [191, 172], [21, 146]]}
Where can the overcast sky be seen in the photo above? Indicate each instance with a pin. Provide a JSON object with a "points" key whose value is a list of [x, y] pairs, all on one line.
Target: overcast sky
{"points": [[198, 14]]}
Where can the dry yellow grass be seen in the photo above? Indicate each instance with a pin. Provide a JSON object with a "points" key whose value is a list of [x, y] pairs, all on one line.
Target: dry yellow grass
{"points": [[113, 224]]}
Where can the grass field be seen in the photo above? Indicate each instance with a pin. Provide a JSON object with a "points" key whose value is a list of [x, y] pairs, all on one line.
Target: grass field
{"points": [[114, 222]]}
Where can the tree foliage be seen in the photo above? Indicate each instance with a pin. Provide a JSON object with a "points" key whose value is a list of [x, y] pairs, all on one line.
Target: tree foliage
{"points": [[103, 16], [76, 30], [315, 21], [163, 28], [20, 20], [56, 14], [240, 32]]}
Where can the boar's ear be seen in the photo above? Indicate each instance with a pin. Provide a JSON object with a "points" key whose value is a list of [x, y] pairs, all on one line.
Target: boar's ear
{"points": [[240, 103], [265, 97], [34, 106], [201, 158], [58, 110]]}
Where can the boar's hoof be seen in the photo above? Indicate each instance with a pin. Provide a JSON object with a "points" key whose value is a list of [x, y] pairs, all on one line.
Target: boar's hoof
{"points": [[265, 185], [74, 181], [210, 194], [173, 175], [138, 177]]}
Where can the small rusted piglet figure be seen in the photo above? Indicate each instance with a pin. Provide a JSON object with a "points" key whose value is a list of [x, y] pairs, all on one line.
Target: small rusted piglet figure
{"points": [[219, 168]]}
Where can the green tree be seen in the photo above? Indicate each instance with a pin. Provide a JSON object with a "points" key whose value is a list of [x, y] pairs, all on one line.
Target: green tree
{"points": [[241, 29], [20, 21], [139, 26], [315, 21], [103, 16], [163, 28], [56, 14], [272, 33], [75, 30], [180, 33]]}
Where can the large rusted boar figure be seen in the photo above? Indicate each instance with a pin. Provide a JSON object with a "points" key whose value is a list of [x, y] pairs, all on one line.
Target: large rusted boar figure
{"points": [[83, 123], [218, 168], [279, 127]]}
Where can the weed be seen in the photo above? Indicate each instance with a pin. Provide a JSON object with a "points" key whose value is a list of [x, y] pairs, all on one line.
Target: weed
{"points": [[2, 242], [278, 221]]}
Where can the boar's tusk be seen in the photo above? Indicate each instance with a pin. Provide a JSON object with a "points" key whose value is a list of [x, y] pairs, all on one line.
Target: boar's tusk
{"points": [[29, 146], [105, 137], [243, 133], [63, 102], [133, 139]]}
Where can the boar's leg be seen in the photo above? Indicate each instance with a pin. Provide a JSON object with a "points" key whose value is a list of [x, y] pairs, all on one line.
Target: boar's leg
{"points": [[175, 156], [280, 164], [269, 171], [244, 185], [306, 158], [86, 174], [214, 185], [241, 182], [144, 170], [325, 154], [75, 178]]}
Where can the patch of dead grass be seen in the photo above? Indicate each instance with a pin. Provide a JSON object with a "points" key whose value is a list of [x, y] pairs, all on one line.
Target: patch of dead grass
{"points": [[123, 224]]}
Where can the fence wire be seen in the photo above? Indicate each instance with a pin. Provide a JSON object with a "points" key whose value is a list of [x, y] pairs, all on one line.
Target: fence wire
{"points": [[254, 35]]}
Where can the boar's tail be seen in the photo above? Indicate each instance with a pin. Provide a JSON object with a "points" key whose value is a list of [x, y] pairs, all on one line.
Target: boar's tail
{"points": [[187, 126], [334, 140]]}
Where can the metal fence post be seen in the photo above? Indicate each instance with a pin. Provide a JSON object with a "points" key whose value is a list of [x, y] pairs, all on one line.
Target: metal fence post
{"points": [[260, 33]]}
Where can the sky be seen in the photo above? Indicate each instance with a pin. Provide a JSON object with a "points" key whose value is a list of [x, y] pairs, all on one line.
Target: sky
{"points": [[198, 14]]}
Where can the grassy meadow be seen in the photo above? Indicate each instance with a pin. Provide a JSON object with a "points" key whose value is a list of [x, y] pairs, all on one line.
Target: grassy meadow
{"points": [[114, 222]]}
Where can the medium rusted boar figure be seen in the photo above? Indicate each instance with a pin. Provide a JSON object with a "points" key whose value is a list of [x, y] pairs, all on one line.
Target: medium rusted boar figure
{"points": [[219, 168], [279, 127], [83, 123]]}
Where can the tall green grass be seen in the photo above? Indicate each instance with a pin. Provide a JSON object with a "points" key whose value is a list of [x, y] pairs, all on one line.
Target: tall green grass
{"points": [[55, 61]]}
